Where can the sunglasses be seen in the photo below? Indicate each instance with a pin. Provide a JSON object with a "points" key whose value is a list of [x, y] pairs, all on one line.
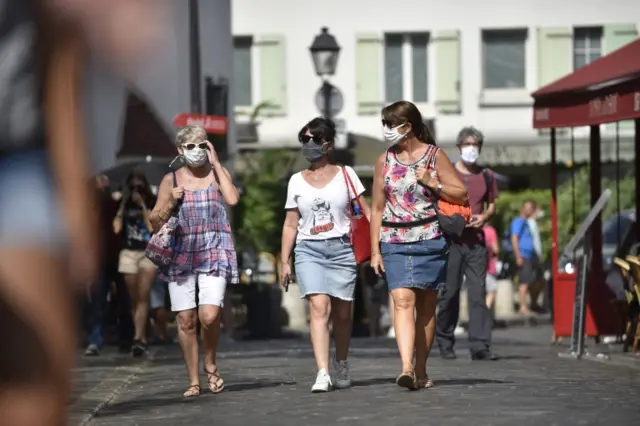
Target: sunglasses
{"points": [[316, 139], [190, 146], [389, 124]]}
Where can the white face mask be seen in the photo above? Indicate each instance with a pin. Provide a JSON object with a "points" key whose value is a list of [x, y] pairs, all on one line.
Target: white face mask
{"points": [[392, 135], [195, 157], [469, 154]]}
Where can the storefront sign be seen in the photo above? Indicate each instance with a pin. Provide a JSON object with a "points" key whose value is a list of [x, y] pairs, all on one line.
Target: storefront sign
{"points": [[211, 123], [605, 108]]}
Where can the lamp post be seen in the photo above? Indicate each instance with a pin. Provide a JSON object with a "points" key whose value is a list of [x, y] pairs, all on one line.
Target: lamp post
{"points": [[324, 53]]}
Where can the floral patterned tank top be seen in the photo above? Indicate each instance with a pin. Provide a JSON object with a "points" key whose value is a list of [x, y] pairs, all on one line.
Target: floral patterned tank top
{"points": [[407, 201]]}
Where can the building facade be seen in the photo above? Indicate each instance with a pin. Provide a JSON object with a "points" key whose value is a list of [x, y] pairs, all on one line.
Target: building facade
{"points": [[163, 85], [463, 63]]}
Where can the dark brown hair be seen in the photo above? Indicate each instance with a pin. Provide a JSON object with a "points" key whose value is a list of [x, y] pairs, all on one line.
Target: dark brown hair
{"points": [[403, 112], [139, 175], [319, 127]]}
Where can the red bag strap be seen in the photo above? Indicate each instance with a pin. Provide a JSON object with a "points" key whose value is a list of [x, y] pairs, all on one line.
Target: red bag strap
{"points": [[349, 184]]}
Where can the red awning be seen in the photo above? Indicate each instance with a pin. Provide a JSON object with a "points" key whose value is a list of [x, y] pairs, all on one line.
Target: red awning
{"points": [[605, 91]]}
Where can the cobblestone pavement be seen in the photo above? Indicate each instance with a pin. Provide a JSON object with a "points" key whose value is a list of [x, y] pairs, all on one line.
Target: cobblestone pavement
{"points": [[268, 384]]}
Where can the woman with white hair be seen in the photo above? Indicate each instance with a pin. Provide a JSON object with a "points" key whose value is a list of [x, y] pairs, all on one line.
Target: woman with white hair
{"points": [[204, 257]]}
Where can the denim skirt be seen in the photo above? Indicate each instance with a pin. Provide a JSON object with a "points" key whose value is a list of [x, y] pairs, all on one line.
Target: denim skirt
{"points": [[326, 267], [421, 265]]}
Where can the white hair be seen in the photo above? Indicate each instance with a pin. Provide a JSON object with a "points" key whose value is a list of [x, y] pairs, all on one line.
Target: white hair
{"points": [[190, 134]]}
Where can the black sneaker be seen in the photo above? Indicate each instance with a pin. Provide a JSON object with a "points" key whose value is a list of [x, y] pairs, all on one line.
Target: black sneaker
{"points": [[139, 349], [484, 355], [447, 353]]}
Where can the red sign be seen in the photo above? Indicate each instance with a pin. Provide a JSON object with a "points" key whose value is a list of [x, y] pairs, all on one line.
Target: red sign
{"points": [[589, 110], [210, 123]]}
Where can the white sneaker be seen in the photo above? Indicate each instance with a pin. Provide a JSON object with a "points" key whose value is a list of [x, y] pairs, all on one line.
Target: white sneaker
{"points": [[323, 382], [391, 333], [343, 380]]}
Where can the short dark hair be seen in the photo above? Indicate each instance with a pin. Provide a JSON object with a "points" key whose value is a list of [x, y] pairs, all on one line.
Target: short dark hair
{"points": [[470, 131], [533, 203], [319, 127]]}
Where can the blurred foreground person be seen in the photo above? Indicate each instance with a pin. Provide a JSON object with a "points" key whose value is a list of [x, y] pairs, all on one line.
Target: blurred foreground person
{"points": [[48, 232]]}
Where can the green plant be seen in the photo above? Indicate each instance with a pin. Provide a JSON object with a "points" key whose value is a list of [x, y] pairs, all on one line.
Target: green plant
{"points": [[260, 212], [256, 111], [509, 203]]}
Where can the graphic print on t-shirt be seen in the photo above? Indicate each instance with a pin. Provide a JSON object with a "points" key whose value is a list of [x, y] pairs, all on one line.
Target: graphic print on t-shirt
{"points": [[322, 216]]}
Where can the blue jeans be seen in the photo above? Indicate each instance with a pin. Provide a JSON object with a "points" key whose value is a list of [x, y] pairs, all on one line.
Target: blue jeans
{"points": [[98, 307]]}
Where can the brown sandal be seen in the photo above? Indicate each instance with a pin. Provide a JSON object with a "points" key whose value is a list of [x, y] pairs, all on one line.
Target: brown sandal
{"points": [[407, 380], [425, 383], [218, 385], [193, 390]]}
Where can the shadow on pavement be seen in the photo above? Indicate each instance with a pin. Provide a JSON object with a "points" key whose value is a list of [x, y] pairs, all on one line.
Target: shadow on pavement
{"points": [[173, 397], [450, 382]]}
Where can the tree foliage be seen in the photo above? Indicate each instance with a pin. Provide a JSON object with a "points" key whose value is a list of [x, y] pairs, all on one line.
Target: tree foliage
{"points": [[260, 213], [509, 203]]}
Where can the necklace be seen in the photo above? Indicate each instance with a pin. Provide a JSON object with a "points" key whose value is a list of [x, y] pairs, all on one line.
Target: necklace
{"points": [[317, 176]]}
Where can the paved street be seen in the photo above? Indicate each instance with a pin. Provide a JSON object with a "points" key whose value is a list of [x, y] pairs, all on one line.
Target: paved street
{"points": [[268, 384]]}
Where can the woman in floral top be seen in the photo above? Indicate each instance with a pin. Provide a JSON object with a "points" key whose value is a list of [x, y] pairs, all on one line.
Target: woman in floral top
{"points": [[407, 243]]}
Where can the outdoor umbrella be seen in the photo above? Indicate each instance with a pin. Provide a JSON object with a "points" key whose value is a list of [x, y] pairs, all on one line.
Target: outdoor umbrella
{"points": [[153, 170]]}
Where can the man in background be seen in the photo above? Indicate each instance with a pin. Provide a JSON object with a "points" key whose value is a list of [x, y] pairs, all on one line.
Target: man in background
{"points": [[527, 251], [468, 256]]}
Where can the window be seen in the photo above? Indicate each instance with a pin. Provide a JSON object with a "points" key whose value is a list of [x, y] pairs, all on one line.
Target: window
{"points": [[405, 67], [587, 46], [504, 63], [242, 87]]}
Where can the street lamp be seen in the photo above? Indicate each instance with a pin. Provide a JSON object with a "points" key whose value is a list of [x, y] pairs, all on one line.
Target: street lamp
{"points": [[324, 53]]}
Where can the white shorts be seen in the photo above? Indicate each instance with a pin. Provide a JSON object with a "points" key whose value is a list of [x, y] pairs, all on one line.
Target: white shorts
{"points": [[491, 284], [210, 292]]}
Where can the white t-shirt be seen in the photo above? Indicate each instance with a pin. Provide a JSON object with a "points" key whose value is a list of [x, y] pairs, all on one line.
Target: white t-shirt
{"points": [[324, 212]]}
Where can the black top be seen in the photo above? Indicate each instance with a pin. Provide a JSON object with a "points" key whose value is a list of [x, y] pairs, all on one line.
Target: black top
{"points": [[21, 118], [134, 231]]}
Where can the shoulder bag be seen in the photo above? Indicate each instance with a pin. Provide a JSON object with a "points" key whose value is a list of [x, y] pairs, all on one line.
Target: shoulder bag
{"points": [[359, 234], [160, 247]]}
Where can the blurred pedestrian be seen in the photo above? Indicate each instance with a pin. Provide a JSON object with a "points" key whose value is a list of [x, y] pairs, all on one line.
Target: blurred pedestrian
{"points": [[493, 251], [46, 212], [468, 256], [319, 204], [525, 251], [133, 224], [109, 244], [407, 243], [204, 258]]}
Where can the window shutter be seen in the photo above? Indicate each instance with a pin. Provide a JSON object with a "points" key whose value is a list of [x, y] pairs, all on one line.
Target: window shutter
{"points": [[617, 35], [448, 84], [273, 73], [369, 73], [614, 37], [555, 54]]}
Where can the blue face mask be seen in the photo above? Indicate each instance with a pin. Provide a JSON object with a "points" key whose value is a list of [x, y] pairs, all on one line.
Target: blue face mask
{"points": [[313, 152]]}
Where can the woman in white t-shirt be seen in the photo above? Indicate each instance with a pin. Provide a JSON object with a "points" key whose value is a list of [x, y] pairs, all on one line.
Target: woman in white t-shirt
{"points": [[318, 207]]}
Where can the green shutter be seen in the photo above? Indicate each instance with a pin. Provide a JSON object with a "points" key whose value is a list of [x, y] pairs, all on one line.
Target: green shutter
{"points": [[273, 73], [617, 35], [614, 37], [447, 48], [369, 73], [555, 54]]}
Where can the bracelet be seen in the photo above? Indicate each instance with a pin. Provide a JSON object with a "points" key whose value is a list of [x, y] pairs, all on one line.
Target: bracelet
{"points": [[375, 254]]}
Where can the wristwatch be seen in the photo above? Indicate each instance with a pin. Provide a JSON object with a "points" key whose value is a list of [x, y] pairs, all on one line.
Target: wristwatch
{"points": [[438, 189]]}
